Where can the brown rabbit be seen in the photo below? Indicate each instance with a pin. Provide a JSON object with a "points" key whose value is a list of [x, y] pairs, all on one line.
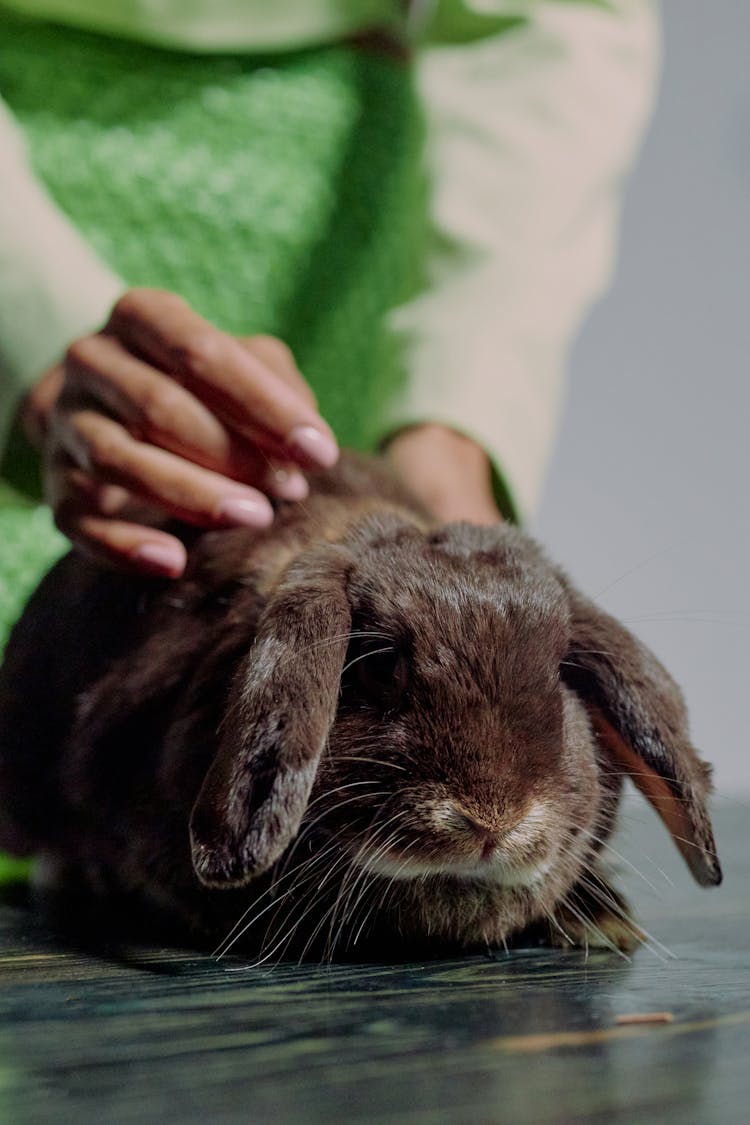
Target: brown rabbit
{"points": [[352, 726]]}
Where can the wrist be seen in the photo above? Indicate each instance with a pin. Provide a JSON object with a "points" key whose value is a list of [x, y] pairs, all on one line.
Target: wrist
{"points": [[446, 470]]}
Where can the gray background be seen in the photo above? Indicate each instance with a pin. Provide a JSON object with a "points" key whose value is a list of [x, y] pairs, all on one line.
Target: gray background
{"points": [[647, 502]]}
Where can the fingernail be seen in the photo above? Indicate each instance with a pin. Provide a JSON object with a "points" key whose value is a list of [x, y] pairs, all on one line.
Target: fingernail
{"points": [[247, 511], [288, 484], [314, 445], [161, 558]]}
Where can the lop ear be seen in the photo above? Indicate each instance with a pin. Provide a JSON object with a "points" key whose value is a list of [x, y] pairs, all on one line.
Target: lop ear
{"points": [[639, 715], [282, 705]]}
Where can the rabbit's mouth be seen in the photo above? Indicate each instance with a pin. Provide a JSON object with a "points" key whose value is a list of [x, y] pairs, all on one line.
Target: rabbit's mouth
{"points": [[460, 846], [494, 870], [449, 838]]}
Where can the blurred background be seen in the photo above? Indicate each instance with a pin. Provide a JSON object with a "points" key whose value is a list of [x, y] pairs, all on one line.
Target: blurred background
{"points": [[647, 501]]}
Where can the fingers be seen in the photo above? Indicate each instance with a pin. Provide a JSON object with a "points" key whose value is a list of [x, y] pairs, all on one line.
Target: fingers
{"points": [[279, 358], [231, 380], [94, 518], [162, 409], [104, 450], [102, 374], [125, 545]]}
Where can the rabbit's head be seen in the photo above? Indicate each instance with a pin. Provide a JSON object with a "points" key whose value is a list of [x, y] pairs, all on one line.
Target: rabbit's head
{"points": [[452, 710]]}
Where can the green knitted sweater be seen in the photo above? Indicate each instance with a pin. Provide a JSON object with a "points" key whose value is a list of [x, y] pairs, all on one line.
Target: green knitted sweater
{"points": [[278, 194]]}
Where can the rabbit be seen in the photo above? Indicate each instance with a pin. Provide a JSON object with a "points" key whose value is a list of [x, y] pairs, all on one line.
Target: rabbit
{"points": [[357, 726]]}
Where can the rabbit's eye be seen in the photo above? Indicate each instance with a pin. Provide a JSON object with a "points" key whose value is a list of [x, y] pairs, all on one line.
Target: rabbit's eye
{"points": [[375, 669]]}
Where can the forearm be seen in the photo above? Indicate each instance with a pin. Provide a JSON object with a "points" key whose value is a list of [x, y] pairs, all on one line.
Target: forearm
{"points": [[53, 288], [529, 136]]}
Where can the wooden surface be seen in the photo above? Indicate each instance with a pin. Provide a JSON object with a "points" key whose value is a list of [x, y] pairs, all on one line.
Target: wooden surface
{"points": [[147, 1034]]}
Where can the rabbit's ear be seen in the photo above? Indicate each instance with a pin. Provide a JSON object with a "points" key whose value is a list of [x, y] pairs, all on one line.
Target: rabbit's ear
{"points": [[639, 716], [282, 705]]}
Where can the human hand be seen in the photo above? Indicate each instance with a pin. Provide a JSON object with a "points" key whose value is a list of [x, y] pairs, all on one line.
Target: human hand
{"points": [[448, 472], [161, 410]]}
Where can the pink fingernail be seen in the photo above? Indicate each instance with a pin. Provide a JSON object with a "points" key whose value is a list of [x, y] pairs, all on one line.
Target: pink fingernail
{"points": [[314, 445], [246, 511], [288, 484], [159, 557]]}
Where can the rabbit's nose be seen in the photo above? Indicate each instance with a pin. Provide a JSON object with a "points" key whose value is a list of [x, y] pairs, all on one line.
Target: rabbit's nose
{"points": [[487, 835]]}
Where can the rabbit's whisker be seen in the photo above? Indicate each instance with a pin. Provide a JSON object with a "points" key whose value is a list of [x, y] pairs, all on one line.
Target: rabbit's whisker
{"points": [[556, 923], [363, 884], [588, 922], [371, 761], [306, 831], [291, 864], [234, 936], [379, 904], [717, 795], [691, 617], [363, 909], [359, 870], [364, 655], [598, 892], [364, 869], [348, 636], [272, 892], [657, 948], [314, 904], [644, 562], [693, 844], [327, 912], [281, 942], [646, 856], [330, 918], [623, 859], [339, 789], [633, 773]]}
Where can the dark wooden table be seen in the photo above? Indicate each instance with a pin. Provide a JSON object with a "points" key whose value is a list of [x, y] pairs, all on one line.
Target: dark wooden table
{"points": [[147, 1034]]}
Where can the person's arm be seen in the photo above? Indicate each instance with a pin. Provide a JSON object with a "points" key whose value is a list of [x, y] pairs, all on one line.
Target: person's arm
{"points": [[53, 288], [530, 132], [131, 398]]}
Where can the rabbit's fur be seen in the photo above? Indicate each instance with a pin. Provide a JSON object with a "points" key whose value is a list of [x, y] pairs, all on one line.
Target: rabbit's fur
{"points": [[355, 725]]}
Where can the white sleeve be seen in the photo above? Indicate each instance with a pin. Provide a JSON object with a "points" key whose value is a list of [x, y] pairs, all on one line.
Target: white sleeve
{"points": [[53, 288], [529, 136]]}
